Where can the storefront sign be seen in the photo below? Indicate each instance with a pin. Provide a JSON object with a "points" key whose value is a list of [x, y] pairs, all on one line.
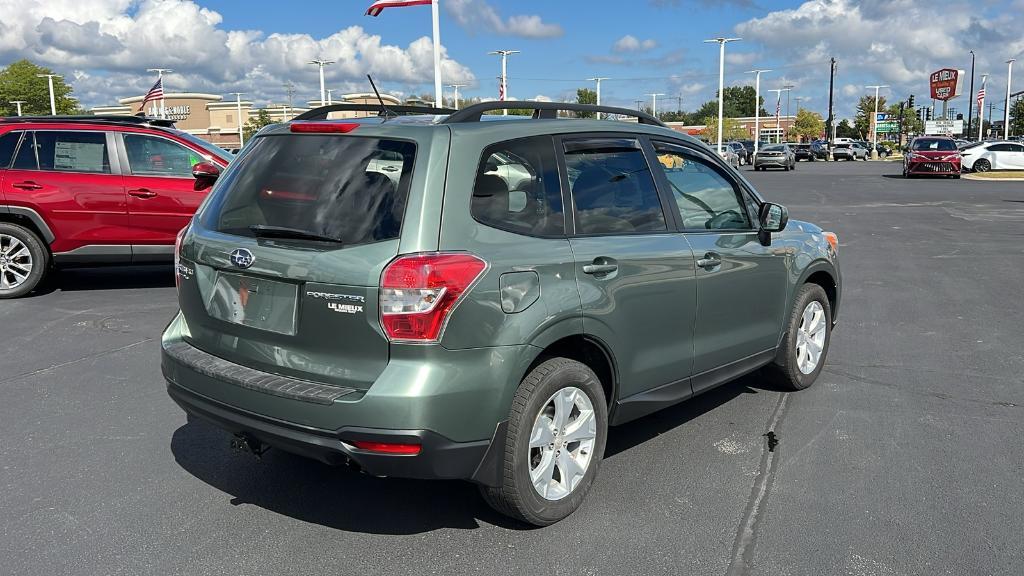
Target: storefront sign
{"points": [[179, 112], [937, 127], [946, 84]]}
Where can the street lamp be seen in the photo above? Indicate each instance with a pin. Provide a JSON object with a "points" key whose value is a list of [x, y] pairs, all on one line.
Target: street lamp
{"points": [[654, 103], [874, 123], [238, 108], [970, 107], [320, 62], [598, 79], [504, 76], [329, 100], [53, 102], [455, 87], [789, 91], [1006, 111], [757, 105], [17, 103], [778, 121], [721, 80]]}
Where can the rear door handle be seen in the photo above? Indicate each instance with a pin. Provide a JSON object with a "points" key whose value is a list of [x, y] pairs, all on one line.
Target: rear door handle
{"points": [[29, 185], [709, 261], [142, 193], [600, 268]]}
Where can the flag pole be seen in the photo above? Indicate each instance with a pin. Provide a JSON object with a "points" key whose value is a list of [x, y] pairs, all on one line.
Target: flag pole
{"points": [[438, 102]]}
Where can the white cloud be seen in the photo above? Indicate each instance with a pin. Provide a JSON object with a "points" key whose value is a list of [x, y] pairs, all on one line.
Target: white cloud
{"points": [[630, 43], [479, 16], [106, 45]]}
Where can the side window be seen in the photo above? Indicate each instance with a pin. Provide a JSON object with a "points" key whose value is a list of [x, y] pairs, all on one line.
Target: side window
{"points": [[706, 199], [154, 156], [8, 145], [64, 152], [517, 188], [612, 187]]}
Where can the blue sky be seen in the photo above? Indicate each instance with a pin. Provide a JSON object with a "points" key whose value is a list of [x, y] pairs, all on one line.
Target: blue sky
{"points": [[104, 46]]}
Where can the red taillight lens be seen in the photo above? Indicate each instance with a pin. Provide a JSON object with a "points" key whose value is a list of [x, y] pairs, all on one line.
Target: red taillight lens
{"points": [[418, 292], [324, 127], [388, 448]]}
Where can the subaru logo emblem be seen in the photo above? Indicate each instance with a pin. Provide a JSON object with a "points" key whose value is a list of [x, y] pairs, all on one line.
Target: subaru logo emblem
{"points": [[242, 258]]}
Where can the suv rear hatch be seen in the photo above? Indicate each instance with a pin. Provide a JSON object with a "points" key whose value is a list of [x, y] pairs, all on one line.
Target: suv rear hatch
{"points": [[288, 252]]}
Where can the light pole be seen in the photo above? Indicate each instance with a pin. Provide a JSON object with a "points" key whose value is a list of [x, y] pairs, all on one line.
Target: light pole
{"points": [[53, 102], [17, 103], [981, 106], [504, 75], [289, 89], [654, 103], [778, 121], [1006, 112], [721, 80], [329, 100], [789, 91], [757, 105], [455, 87], [320, 62], [241, 125], [597, 79], [160, 76], [874, 123], [970, 108]]}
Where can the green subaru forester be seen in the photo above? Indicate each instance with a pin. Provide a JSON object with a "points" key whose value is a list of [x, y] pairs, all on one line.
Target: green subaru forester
{"points": [[480, 297]]}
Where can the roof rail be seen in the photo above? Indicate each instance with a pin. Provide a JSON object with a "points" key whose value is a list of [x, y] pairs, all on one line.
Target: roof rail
{"points": [[322, 112], [544, 110], [101, 118]]}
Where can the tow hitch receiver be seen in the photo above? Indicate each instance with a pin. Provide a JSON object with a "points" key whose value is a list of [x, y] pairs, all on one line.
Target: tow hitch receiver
{"points": [[247, 443]]}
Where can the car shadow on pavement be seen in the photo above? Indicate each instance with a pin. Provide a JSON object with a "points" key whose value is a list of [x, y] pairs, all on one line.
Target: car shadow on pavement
{"points": [[108, 278]]}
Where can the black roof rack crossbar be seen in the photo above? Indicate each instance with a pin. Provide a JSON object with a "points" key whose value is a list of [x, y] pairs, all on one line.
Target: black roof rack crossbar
{"points": [[101, 118], [544, 110], [322, 112]]}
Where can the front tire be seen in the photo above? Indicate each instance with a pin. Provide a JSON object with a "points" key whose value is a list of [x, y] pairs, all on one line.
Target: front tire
{"points": [[804, 347], [24, 260], [982, 165], [557, 429]]}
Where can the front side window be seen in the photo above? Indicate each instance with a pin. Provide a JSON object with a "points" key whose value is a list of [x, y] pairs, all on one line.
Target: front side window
{"points": [[517, 188], [154, 156], [706, 199], [64, 152], [612, 187]]}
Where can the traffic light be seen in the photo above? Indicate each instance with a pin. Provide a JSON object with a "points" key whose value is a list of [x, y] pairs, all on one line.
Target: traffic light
{"points": [[959, 116], [910, 101], [927, 113]]}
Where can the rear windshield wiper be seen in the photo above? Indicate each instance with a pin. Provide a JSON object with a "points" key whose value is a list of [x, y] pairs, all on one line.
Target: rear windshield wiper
{"points": [[264, 231]]}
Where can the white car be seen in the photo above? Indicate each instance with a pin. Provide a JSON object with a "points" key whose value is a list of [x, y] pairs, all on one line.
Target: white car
{"points": [[997, 155]]}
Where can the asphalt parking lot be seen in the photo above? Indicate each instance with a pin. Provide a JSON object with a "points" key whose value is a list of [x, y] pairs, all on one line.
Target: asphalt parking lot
{"points": [[904, 458]]}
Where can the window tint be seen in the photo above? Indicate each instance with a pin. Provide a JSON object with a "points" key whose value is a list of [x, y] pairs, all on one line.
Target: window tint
{"points": [[999, 148], [517, 188], [612, 187], [943, 145], [154, 156], [64, 152], [706, 199], [8, 144]]}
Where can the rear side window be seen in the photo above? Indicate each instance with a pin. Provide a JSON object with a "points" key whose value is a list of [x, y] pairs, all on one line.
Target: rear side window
{"points": [[155, 156], [612, 187], [350, 189], [517, 188], [64, 152], [8, 144]]}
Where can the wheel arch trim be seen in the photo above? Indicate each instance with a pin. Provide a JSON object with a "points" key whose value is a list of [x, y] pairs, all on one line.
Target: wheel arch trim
{"points": [[34, 217]]}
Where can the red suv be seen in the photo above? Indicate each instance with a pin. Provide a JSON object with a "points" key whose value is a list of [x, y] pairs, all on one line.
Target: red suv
{"points": [[932, 156], [95, 190]]}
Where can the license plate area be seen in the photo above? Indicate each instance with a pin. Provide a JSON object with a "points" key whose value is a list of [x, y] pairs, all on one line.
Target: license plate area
{"points": [[254, 302]]}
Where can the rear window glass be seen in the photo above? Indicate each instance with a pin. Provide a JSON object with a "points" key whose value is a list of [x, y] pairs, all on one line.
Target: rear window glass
{"points": [[349, 189], [934, 144]]}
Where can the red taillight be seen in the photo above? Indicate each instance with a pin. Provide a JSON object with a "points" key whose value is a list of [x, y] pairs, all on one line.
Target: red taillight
{"points": [[324, 127], [388, 448], [418, 292]]}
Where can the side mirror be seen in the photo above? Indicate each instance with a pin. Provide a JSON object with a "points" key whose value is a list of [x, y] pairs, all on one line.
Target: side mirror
{"points": [[205, 170], [773, 217]]}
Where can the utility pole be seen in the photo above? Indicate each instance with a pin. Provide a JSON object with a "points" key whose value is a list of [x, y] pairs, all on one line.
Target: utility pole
{"points": [[830, 128], [1006, 111], [504, 74], [970, 105], [721, 81], [241, 125], [160, 76], [874, 124], [53, 102], [638, 103], [17, 103], [455, 87], [597, 80], [289, 89], [320, 62], [654, 103], [757, 106]]}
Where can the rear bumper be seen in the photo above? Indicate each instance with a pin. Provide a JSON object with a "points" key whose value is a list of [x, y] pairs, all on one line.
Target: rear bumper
{"points": [[770, 162]]}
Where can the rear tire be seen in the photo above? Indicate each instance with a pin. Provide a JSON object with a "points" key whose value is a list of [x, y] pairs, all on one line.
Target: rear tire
{"points": [[982, 165], [533, 415], [24, 260], [809, 328]]}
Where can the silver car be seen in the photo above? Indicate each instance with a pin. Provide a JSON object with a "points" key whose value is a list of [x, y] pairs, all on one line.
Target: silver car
{"points": [[775, 156], [849, 152]]}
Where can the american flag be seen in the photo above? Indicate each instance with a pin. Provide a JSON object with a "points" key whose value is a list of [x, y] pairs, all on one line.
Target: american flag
{"points": [[981, 99], [501, 90], [155, 93], [778, 105], [376, 8]]}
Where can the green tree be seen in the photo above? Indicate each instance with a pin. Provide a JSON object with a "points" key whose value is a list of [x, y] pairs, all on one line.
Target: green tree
{"points": [[865, 110], [19, 82], [1017, 117], [739, 102], [911, 123], [845, 130], [807, 126], [731, 129], [253, 125], [585, 96]]}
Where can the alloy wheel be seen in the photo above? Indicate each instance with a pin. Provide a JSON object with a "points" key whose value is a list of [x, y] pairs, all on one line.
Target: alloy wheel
{"points": [[562, 443], [982, 166], [15, 262], [810, 337]]}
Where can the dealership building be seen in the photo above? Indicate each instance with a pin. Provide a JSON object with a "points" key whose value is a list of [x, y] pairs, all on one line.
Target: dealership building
{"points": [[216, 120], [772, 129]]}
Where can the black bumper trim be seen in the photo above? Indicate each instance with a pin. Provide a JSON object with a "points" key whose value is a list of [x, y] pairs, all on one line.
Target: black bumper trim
{"points": [[245, 377]]}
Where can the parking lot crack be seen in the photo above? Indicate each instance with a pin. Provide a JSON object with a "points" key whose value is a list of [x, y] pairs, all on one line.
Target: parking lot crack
{"points": [[75, 361], [746, 534]]}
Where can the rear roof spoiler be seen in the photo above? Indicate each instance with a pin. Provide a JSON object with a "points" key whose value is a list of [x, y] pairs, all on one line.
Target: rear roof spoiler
{"points": [[101, 119], [322, 112]]}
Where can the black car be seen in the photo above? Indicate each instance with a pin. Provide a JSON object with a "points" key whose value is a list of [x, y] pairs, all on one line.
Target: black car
{"points": [[820, 150], [741, 150], [803, 152]]}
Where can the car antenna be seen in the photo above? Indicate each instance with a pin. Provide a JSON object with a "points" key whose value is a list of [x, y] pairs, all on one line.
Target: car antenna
{"points": [[387, 112]]}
